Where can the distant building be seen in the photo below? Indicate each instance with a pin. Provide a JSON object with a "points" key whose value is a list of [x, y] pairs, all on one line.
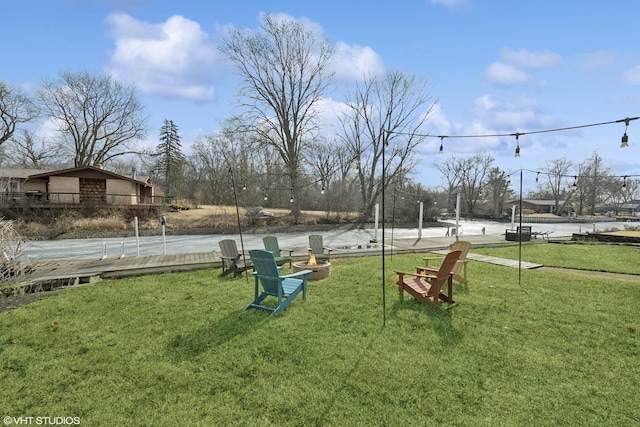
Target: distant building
{"points": [[540, 206], [80, 185], [631, 208]]}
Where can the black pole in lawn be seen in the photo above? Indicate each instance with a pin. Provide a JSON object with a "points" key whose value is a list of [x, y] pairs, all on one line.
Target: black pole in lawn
{"points": [[520, 236], [235, 197], [393, 219], [384, 302]]}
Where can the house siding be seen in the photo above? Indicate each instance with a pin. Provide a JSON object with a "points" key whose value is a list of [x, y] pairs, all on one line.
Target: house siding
{"points": [[64, 189], [121, 192]]}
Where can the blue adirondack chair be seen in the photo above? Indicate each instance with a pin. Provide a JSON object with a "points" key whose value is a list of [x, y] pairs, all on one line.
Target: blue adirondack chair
{"points": [[284, 288], [271, 245]]}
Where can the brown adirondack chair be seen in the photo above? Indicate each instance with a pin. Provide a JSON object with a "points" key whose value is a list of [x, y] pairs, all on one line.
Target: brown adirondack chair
{"points": [[427, 288], [232, 259], [461, 265]]}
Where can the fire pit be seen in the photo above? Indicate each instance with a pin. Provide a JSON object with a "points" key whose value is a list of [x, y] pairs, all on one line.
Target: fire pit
{"points": [[321, 270]]}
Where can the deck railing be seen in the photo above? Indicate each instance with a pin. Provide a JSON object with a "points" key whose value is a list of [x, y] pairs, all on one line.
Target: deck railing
{"points": [[40, 199]]}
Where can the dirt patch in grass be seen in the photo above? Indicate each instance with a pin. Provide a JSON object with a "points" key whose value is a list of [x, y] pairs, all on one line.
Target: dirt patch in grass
{"points": [[9, 303]]}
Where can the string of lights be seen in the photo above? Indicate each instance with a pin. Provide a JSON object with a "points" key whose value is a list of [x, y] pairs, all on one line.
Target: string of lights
{"points": [[624, 140], [624, 143], [575, 177]]}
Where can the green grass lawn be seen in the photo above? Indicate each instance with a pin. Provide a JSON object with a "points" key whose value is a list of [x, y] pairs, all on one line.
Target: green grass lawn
{"points": [[179, 349], [583, 256]]}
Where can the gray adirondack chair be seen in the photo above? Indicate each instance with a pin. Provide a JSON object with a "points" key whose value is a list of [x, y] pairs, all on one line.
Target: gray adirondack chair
{"points": [[232, 260]]}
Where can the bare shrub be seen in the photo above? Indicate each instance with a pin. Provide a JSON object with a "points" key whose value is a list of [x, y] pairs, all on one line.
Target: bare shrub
{"points": [[31, 228], [182, 204], [12, 262], [71, 223]]}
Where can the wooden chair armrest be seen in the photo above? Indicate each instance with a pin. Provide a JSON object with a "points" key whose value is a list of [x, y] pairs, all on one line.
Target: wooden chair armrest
{"points": [[431, 269], [433, 257], [414, 274]]}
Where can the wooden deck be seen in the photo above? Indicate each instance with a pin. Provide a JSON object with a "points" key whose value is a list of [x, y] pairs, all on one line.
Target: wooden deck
{"points": [[84, 269]]}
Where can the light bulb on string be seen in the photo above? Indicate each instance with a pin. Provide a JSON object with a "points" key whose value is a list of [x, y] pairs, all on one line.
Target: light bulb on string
{"points": [[441, 145], [517, 144], [625, 139]]}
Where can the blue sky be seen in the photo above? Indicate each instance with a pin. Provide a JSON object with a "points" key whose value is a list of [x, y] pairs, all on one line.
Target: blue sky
{"points": [[493, 66]]}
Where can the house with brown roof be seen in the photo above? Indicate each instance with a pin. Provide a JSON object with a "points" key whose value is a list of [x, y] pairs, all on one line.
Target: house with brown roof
{"points": [[79, 185]]}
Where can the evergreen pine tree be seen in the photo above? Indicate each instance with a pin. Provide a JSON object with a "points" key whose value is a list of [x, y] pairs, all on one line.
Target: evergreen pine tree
{"points": [[170, 159]]}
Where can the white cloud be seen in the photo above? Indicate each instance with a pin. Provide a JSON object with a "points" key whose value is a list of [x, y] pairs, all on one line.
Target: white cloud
{"points": [[439, 121], [174, 58], [510, 71], [632, 76], [523, 58], [353, 62], [518, 115], [329, 113], [508, 75]]}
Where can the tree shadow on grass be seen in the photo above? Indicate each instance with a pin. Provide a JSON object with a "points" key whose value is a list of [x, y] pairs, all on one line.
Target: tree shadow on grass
{"points": [[440, 320], [193, 343]]}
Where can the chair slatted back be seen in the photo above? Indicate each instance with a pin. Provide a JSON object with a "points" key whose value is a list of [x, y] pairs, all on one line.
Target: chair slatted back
{"points": [[464, 247], [229, 249], [265, 267], [271, 245], [316, 244], [447, 265]]}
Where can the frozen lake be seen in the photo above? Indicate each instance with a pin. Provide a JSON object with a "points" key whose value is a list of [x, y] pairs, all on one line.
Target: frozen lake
{"points": [[155, 245]]}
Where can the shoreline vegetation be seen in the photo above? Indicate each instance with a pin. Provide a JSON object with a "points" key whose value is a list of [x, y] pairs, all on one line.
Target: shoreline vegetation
{"points": [[196, 221], [214, 219]]}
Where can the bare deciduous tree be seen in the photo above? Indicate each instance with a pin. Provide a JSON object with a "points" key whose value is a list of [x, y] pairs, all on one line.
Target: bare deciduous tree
{"points": [[329, 163], [451, 174], [384, 114], [596, 183], [27, 151], [15, 109], [284, 72], [466, 175], [497, 188], [473, 171], [556, 172], [98, 116]]}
